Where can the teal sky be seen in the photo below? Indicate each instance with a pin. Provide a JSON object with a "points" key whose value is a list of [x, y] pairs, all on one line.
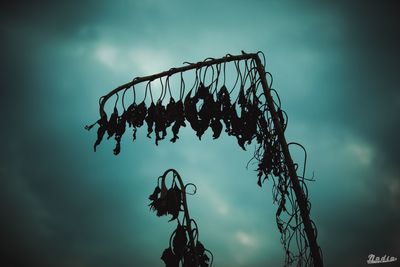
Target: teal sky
{"points": [[335, 68]]}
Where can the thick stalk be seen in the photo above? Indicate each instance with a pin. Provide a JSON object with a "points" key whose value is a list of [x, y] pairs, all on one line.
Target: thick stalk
{"points": [[301, 199]]}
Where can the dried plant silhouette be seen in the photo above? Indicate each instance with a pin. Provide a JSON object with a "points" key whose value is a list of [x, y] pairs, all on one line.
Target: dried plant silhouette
{"points": [[247, 111], [184, 245]]}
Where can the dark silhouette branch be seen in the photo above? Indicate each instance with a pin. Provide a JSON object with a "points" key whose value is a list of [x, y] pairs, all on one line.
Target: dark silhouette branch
{"points": [[191, 66], [190, 252], [185, 210], [301, 199]]}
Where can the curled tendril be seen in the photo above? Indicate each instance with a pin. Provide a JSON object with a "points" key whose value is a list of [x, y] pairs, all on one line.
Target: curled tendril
{"points": [[182, 87], [194, 189], [161, 98]]}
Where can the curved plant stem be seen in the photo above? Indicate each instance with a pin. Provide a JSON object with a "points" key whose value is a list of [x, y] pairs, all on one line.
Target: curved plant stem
{"points": [[186, 212], [170, 72], [301, 199]]}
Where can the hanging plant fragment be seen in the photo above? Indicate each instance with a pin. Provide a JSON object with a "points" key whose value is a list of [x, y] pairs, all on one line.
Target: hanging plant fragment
{"points": [[185, 248]]}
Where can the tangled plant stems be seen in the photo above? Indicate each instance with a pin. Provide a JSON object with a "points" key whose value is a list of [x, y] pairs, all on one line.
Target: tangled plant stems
{"points": [[184, 245], [246, 111]]}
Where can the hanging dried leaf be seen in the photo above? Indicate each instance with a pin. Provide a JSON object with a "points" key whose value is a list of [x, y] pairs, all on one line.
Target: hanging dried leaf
{"points": [[112, 123], [179, 243], [171, 112], [248, 117], [189, 259], [169, 258], [160, 117], [202, 91], [179, 120], [223, 97], [120, 130], [241, 98], [205, 113], [216, 108], [263, 132], [174, 200], [191, 112], [216, 126], [236, 126], [150, 118], [130, 114], [141, 112], [154, 195], [264, 165], [203, 258], [100, 131], [159, 202]]}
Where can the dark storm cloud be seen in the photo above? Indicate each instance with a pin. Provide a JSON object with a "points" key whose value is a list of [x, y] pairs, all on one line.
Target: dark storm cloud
{"points": [[54, 215], [364, 100], [56, 18], [51, 212], [372, 91], [369, 97]]}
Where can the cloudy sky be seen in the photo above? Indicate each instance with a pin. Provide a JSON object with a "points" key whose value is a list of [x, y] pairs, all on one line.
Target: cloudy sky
{"points": [[335, 66]]}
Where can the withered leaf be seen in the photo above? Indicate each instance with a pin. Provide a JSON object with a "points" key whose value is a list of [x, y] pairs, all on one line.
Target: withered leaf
{"points": [[101, 130], [263, 132], [191, 112], [241, 98], [131, 113], [161, 206], [203, 258], [205, 113], [216, 109], [174, 200], [223, 97], [120, 130], [249, 119], [112, 123], [150, 118], [140, 114], [179, 120], [159, 201], [160, 118], [171, 112], [202, 91], [169, 258], [189, 259], [154, 195], [216, 126], [179, 242]]}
